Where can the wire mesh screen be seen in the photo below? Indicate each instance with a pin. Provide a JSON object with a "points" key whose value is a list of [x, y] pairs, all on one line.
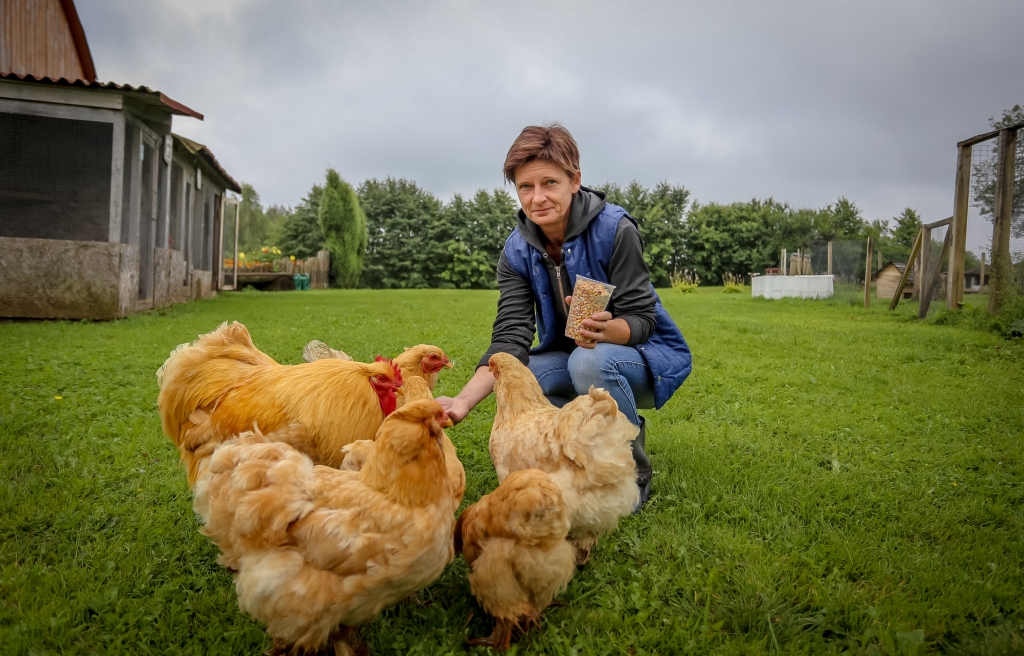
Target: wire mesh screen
{"points": [[936, 266], [175, 233], [847, 260], [984, 159], [162, 237], [54, 178]]}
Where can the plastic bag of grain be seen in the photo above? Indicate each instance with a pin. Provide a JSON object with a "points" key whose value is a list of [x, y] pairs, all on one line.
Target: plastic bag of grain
{"points": [[588, 297]]}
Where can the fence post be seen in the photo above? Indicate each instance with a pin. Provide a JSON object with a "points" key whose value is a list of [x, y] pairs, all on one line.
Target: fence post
{"points": [[783, 269], [867, 276], [999, 277], [958, 229], [981, 278], [830, 257]]}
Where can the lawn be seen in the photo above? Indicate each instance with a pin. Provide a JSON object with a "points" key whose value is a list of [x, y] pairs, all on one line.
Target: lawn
{"points": [[830, 479]]}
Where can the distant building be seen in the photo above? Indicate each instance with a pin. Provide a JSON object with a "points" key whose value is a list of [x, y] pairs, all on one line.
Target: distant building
{"points": [[888, 279], [103, 211]]}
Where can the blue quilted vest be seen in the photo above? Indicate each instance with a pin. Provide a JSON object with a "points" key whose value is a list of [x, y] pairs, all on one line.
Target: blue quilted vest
{"points": [[666, 352]]}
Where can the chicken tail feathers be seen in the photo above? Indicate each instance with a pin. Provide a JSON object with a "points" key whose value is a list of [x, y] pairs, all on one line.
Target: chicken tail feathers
{"points": [[197, 375], [251, 491], [597, 437]]}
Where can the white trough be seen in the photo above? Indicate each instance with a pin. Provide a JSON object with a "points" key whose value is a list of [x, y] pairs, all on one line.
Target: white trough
{"points": [[792, 286]]}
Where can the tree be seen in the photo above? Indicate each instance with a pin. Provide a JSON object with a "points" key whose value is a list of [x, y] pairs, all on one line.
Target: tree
{"points": [[253, 227], [661, 215], [343, 225], [985, 174], [407, 242], [301, 235], [477, 230], [742, 237]]}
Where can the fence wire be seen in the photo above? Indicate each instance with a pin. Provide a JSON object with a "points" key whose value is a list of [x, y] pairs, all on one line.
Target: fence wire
{"points": [[984, 158]]}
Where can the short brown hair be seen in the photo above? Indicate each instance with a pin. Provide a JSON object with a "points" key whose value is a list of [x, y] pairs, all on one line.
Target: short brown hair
{"points": [[551, 143]]}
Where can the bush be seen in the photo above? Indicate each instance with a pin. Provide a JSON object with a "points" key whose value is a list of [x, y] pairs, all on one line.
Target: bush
{"points": [[686, 282]]}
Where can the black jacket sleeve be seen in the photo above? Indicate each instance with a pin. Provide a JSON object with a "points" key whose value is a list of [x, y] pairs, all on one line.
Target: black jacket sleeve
{"points": [[633, 298], [515, 324]]}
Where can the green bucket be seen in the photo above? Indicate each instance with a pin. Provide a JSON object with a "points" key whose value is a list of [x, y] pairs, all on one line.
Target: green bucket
{"points": [[301, 281]]}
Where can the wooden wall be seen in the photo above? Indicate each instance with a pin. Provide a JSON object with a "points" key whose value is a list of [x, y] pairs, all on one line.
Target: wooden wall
{"points": [[36, 39], [887, 281]]}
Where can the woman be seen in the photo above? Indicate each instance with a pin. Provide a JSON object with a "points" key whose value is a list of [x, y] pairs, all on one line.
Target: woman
{"points": [[633, 349]]}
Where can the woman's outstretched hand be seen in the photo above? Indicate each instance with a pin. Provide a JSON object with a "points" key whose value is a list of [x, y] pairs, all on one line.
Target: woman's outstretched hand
{"points": [[601, 327], [456, 408]]}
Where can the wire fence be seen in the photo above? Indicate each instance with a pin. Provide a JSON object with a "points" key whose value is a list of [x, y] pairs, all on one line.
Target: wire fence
{"points": [[984, 157]]}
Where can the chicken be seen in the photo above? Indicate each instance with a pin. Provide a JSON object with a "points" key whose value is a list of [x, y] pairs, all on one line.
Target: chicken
{"points": [[584, 446], [317, 350], [318, 551], [514, 541], [221, 384], [355, 454], [422, 361]]}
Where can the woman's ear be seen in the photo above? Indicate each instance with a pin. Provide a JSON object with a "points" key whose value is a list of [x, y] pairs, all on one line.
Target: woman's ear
{"points": [[576, 182]]}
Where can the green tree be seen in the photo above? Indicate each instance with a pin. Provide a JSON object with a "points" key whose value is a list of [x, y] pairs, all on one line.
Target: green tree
{"points": [[343, 225], [742, 237], [476, 230], [661, 215], [407, 242], [253, 226], [985, 174], [301, 235]]}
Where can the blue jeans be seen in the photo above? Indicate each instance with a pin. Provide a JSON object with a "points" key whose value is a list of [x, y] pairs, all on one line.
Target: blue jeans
{"points": [[621, 370]]}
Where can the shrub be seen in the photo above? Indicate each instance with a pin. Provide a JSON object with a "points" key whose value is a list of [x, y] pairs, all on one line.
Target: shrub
{"points": [[733, 283], [686, 282]]}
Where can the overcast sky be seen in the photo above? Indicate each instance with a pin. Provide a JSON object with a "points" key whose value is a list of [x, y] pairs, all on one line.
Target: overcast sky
{"points": [[803, 101]]}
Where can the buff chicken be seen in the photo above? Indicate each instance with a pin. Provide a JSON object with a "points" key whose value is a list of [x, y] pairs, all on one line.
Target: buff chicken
{"points": [[356, 453], [514, 540], [318, 552], [221, 385], [422, 361], [585, 446]]}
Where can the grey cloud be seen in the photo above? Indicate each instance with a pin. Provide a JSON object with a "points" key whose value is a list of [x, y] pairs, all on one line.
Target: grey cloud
{"points": [[803, 101]]}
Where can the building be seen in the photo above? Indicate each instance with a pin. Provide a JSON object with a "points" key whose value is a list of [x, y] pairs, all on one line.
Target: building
{"points": [[103, 211], [972, 279], [888, 279]]}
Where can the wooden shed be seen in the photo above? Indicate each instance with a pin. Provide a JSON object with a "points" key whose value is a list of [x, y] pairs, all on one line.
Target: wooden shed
{"points": [[103, 211], [887, 279]]}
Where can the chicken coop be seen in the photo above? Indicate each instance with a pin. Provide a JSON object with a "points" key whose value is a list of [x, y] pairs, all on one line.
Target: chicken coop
{"points": [[103, 211], [887, 280]]}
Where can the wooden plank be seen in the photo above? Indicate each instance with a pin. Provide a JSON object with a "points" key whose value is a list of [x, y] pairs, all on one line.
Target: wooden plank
{"points": [[981, 278], [867, 276], [958, 230], [116, 179], [939, 224], [914, 250], [60, 95], [830, 258], [929, 290], [1000, 276]]}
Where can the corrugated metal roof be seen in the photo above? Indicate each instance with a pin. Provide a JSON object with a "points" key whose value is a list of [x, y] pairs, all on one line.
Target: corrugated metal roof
{"points": [[203, 152], [144, 94]]}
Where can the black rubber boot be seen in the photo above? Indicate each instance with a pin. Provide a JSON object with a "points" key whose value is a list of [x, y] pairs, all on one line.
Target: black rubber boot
{"points": [[644, 472]]}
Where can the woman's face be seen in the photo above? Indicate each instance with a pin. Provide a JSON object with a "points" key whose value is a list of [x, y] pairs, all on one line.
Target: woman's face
{"points": [[545, 192]]}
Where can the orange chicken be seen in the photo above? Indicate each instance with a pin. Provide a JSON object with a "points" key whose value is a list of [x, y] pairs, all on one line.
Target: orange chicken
{"points": [[514, 539], [222, 385], [416, 389], [422, 361], [317, 551], [584, 446]]}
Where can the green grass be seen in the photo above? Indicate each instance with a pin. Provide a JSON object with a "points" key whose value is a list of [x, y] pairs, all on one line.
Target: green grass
{"points": [[830, 479]]}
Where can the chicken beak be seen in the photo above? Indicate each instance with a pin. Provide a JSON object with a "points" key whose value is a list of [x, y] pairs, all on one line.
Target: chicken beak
{"points": [[448, 364], [446, 421]]}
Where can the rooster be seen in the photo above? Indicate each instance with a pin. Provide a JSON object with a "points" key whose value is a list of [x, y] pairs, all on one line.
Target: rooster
{"points": [[356, 453], [221, 384], [514, 541], [317, 551], [585, 446], [422, 361]]}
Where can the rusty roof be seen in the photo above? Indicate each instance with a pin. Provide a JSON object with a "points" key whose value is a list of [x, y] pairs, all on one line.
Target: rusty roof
{"points": [[143, 94], [204, 153]]}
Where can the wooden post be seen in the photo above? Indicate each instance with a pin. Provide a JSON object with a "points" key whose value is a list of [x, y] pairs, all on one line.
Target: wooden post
{"points": [[915, 249], [933, 279], [830, 258], [879, 261], [867, 276], [981, 278], [783, 268], [999, 278], [958, 229]]}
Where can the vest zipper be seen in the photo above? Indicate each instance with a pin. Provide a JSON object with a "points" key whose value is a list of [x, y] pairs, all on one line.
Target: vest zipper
{"points": [[561, 292]]}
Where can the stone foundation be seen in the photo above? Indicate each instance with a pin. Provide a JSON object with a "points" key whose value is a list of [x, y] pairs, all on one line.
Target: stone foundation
{"points": [[58, 279]]}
